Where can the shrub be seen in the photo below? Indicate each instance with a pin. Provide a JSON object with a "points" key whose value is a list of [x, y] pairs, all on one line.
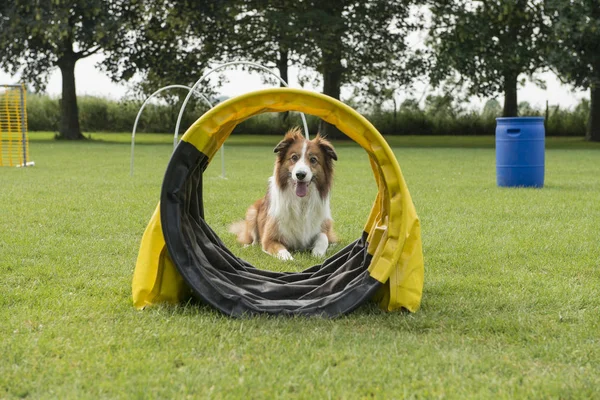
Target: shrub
{"points": [[439, 117], [563, 122], [43, 113], [93, 114]]}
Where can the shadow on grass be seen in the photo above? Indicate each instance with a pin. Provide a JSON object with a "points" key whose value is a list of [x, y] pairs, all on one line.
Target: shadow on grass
{"points": [[366, 315]]}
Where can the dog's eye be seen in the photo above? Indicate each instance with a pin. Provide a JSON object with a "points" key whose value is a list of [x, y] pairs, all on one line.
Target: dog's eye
{"points": [[313, 160], [294, 157]]}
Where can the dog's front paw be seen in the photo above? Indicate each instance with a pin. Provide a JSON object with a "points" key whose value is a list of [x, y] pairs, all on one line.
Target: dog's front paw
{"points": [[318, 252], [284, 255], [321, 245]]}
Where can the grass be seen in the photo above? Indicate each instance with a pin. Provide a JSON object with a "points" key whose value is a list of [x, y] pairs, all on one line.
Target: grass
{"points": [[510, 306]]}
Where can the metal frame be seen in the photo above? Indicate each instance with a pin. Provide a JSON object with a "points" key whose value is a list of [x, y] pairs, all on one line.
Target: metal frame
{"points": [[249, 63], [137, 118], [210, 105], [23, 126]]}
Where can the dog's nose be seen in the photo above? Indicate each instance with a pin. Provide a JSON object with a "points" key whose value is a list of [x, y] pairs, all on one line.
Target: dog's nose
{"points": [[300, 175]]}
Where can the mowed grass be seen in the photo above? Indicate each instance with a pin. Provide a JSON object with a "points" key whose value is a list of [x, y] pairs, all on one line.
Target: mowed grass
{"points": [[511, 304]]}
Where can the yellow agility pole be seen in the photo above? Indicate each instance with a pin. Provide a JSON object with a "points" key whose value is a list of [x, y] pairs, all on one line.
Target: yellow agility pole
{"points": [[14, 141]]}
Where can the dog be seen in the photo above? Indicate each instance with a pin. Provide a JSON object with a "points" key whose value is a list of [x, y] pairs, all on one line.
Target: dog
{"points": [[294, 215]]}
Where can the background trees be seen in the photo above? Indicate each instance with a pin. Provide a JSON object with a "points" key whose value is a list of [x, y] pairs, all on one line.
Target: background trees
{"points": [[271, 33], [38, 36], [173, 41], [362, 45], [575, 52], [491, 44]]}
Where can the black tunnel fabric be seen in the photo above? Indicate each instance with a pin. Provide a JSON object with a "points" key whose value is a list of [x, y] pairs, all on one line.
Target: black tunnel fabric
{"points": [[232, 285]]}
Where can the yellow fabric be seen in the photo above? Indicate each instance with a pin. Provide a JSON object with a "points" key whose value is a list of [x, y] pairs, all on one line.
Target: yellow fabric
{"points": [[393, 225], [156, 279]]}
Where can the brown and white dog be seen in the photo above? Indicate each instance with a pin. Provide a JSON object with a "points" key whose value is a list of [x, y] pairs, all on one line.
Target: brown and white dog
{"points": [[295, 212]]}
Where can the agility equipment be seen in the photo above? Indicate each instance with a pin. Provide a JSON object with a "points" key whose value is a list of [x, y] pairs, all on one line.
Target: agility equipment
{"points": [[194, 90], [14, 142], [218, 68], [181, 256], [139, 114]]}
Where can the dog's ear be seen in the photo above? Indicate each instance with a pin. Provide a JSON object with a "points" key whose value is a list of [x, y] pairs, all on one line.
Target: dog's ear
{"points": [[326, 146], [288, 139], [283, 145]]}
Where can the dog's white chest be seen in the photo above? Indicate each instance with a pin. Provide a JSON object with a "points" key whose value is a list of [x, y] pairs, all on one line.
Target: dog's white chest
{"points": [[299, 230], [299, 220]]}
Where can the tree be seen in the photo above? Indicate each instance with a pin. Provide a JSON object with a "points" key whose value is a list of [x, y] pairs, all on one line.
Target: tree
{"points": [[362, 43], [269, 33], [36, 37], [347, 42], [173, 42], [575, 51], [489, 43]]}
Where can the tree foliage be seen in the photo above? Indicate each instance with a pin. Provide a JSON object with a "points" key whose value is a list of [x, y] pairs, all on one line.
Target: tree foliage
{"points": [[362, 43], [489, 43], [359, 44], [575, 50], [37, 37], [173, 42], [269, 33]]}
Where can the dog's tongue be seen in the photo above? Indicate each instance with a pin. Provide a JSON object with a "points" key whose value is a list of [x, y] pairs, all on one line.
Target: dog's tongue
{"points": [[301, 189]]}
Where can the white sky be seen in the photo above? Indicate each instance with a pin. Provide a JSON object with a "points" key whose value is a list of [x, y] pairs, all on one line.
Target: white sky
{"points": [[91, 81]]}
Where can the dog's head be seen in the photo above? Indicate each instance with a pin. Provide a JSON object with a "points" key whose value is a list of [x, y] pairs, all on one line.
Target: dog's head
{"points": [[303, 163]]}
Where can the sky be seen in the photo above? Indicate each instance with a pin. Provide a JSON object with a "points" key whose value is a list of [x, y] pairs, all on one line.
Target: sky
{"points": [[89, 80]]}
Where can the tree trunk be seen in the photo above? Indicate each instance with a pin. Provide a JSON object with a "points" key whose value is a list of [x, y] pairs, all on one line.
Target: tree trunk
{"points": [[395, 123], [330, 43], [593, 128], [69, 114], [332, 82], [282, 66], [510, 97]]}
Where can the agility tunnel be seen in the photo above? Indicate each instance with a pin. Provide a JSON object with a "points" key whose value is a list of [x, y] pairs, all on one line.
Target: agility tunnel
{"points": [[181, 256]]}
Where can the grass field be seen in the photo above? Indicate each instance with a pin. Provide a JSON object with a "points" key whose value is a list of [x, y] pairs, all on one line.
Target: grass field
{"points": [[511, 305]]}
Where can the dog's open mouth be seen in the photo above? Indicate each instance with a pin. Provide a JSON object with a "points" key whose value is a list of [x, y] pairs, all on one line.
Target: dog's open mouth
{"points": [[301, 188]]}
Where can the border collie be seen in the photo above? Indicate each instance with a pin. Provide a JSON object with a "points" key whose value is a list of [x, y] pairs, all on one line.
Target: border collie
{"points": [[294, 215]]}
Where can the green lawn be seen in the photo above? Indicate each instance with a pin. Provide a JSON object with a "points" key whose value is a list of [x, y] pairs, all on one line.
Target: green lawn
{"points": [[511, 305]]}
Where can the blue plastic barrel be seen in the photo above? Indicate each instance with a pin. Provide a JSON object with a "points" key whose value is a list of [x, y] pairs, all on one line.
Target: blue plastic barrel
{"points": [[520, 151]]}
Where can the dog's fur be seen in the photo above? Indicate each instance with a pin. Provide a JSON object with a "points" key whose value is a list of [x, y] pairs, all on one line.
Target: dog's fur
{"points": [[295, 212]]}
